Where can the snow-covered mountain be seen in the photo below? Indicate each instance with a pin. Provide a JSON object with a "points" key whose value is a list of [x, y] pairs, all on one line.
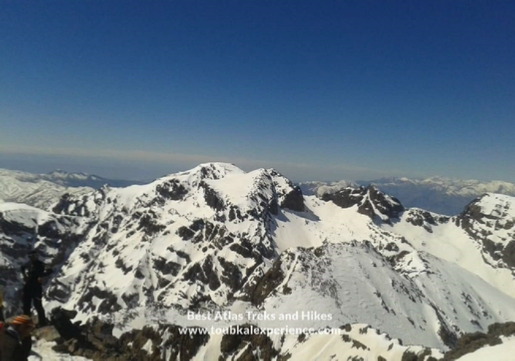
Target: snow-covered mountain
{"points": [[218, 239], [68, 179], [31, 189], [42, 190], [436, 194]]}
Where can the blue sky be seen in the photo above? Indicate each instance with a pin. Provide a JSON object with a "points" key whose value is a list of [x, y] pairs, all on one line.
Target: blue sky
{"points": [[318, 90]]}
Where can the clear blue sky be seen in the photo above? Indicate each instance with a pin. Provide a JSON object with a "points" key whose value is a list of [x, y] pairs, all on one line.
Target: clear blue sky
{"points": [[316, 89]]}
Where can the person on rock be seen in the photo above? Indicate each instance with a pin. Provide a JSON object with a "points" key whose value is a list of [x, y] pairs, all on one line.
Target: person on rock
{"points": [[2, 319], [16, 341], [33, 273]]}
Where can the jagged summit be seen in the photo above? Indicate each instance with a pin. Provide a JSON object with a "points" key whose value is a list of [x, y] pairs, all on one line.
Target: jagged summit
{"points": [[490, 219], [492, 206], [212, 170], [368, 200]]}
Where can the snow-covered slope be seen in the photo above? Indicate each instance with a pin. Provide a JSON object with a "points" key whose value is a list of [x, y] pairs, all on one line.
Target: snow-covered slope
{"points": [[426, 300], [481, 239], [216, 238]]}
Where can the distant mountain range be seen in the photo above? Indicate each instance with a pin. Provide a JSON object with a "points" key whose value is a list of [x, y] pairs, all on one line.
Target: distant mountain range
{"points": [[440, 195], [400, 283], [41, 190], [436, 194], [67, 179]]}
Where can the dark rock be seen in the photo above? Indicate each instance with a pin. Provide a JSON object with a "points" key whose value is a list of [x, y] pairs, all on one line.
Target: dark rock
{"points": [[49, 230], [167, 267], [185, 233], [231, 274], [272, 207], [61, 320], [125, 269], [211, 197], [388, 206], [369, 200], [203, 273], [472, 342], [294, 200], [480, 227], [108, 305], [248, 342], [508, 255], [13, 227], [244, 248], [270, 280], [172, 190], [148, 223], [358, 345], [345, 198]]}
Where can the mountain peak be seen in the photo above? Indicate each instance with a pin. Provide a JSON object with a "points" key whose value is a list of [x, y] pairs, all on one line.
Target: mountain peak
{"points": [[490, 206], [490, 220], [369, 200], [211, 170]]}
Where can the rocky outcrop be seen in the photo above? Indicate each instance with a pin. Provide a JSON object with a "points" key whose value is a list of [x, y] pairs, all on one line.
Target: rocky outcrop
{"points": [[369, 201], [425, 219], [94, 340], [471, 342], [212, 198], [247, 344], [490, 220], [294, 200], [171, 190]]}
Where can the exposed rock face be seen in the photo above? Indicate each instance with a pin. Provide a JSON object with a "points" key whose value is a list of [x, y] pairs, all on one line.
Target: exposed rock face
{"points": [[425, 219], [490, 220], [369, 201], [247, 345], [471, 342], [294, 200], [172, 190], [22, 229], [212, 198], [267, 283]]}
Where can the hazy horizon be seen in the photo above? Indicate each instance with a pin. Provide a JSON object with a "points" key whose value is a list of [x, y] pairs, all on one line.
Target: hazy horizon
{"points": [[29, 165]]}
